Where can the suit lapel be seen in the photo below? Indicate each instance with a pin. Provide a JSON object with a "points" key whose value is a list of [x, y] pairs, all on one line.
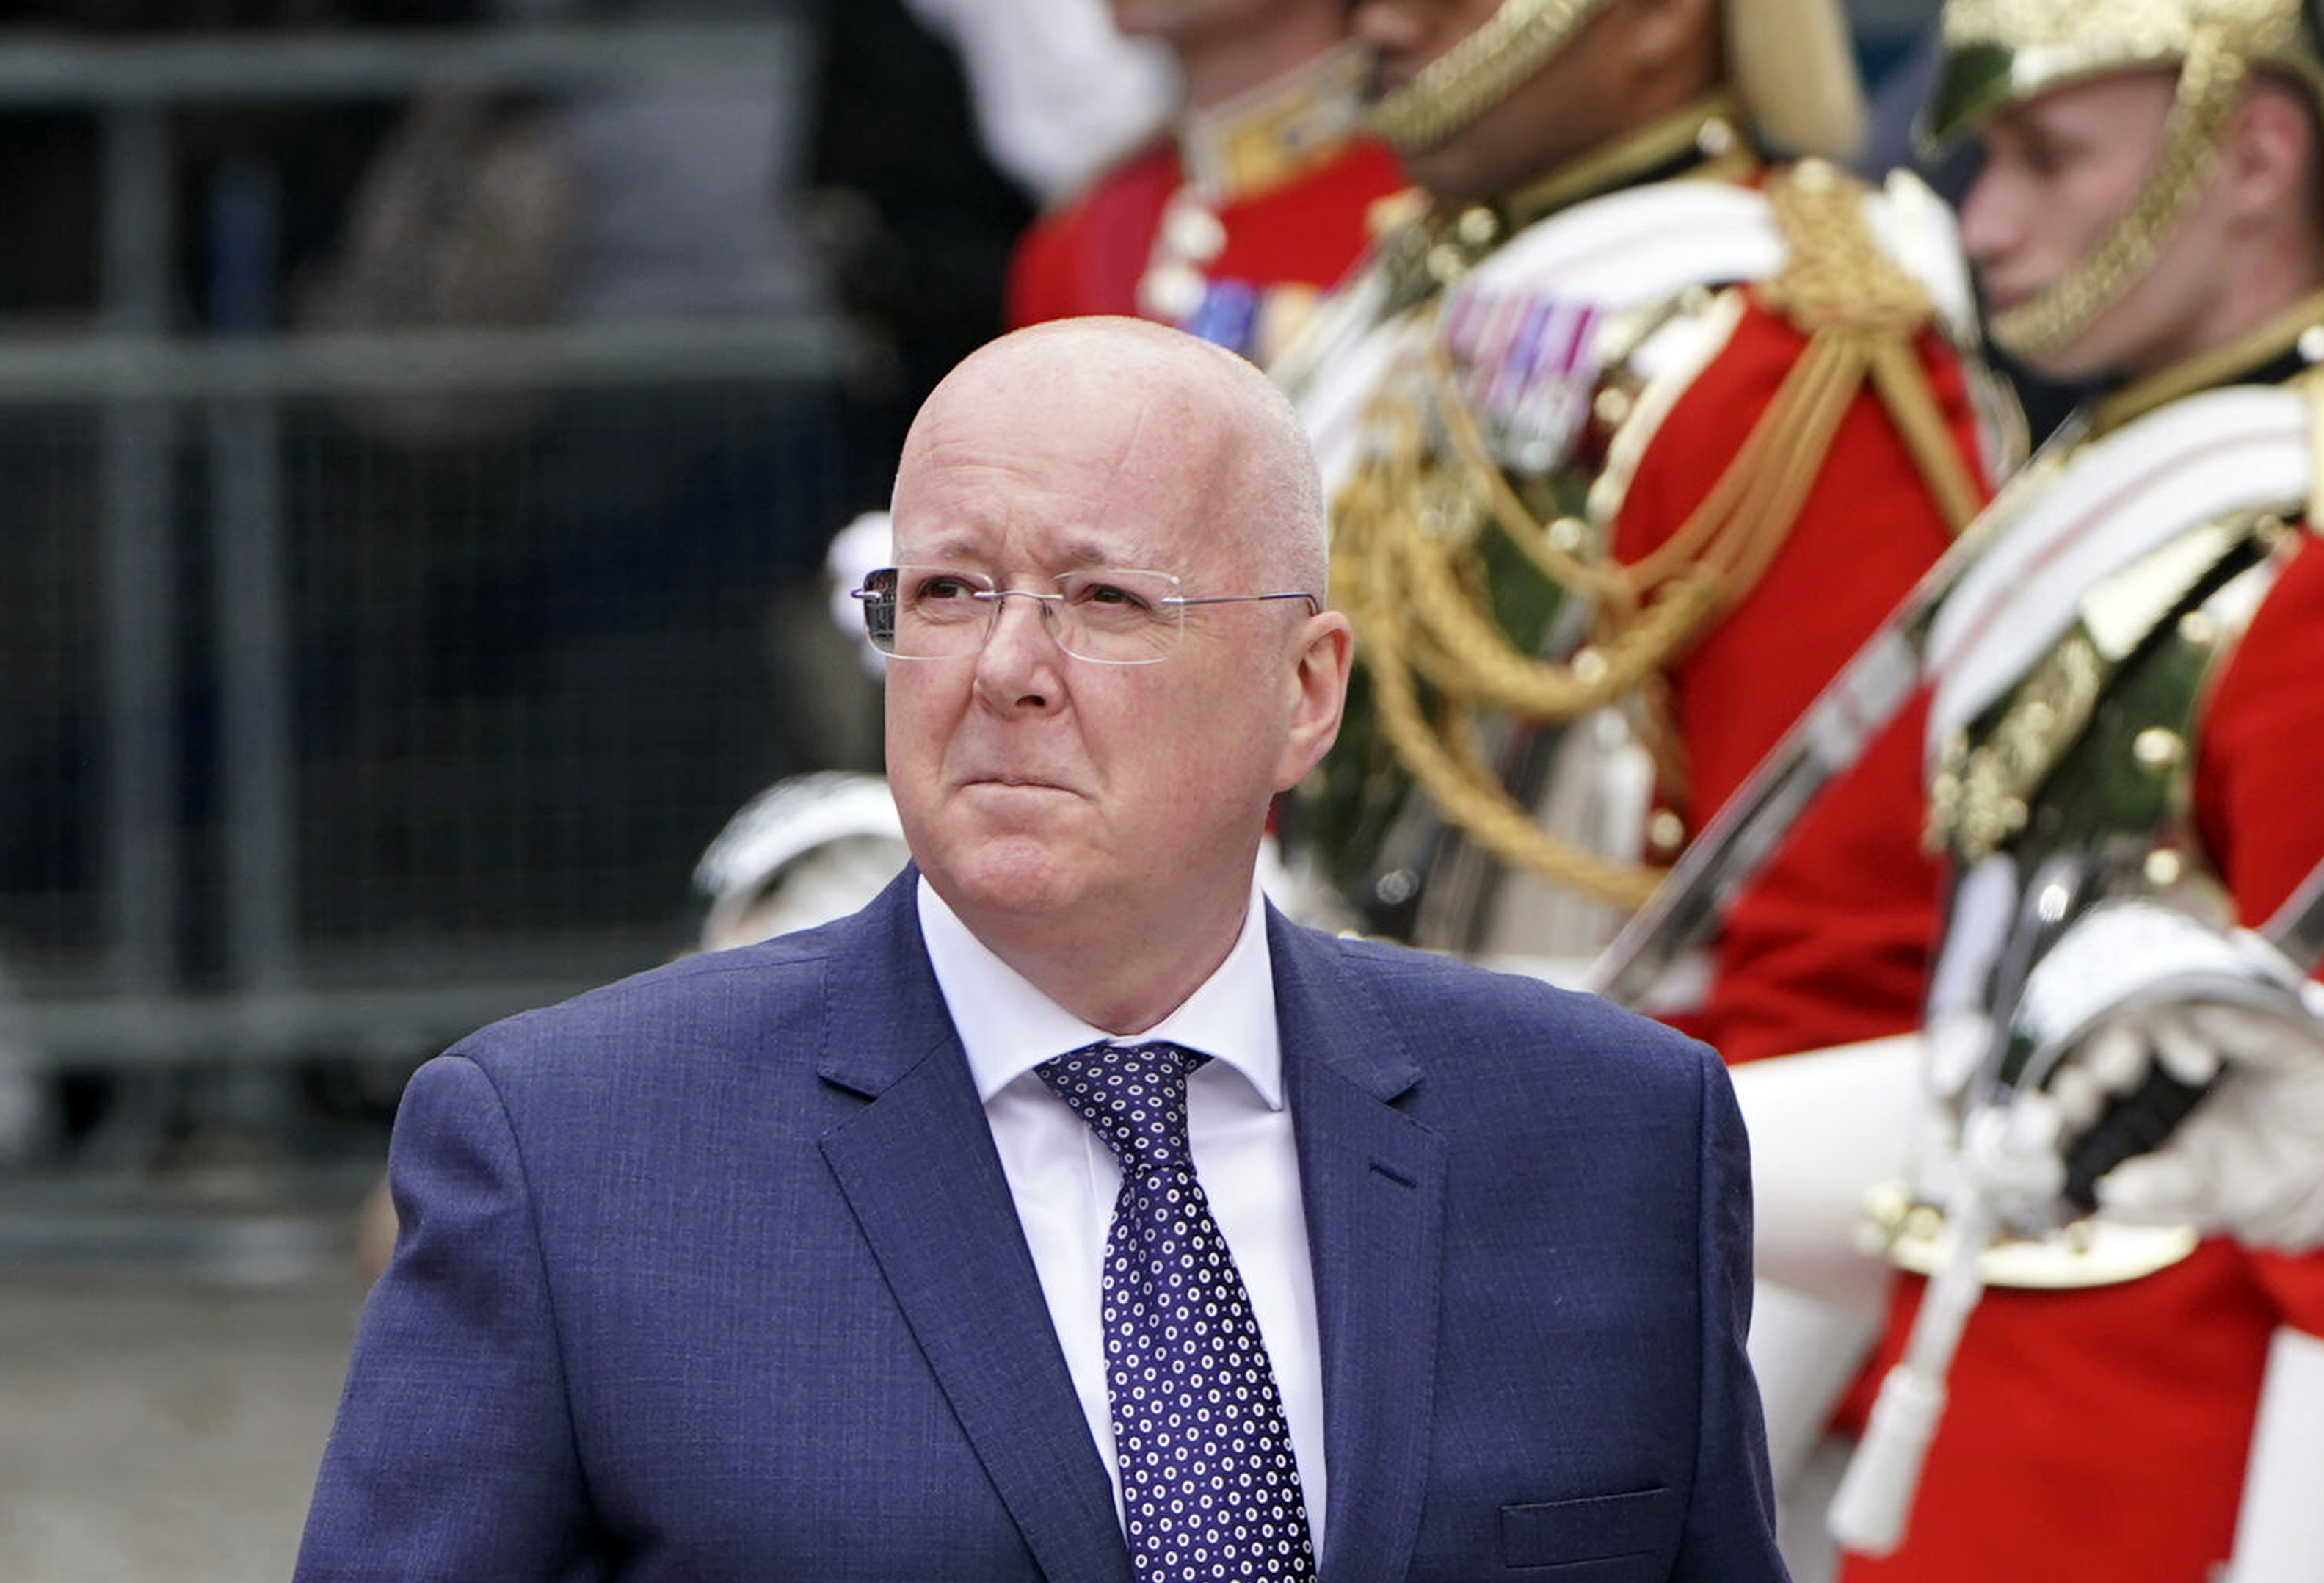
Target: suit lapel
{"points": [[1373, 1181], [920, 1173]]}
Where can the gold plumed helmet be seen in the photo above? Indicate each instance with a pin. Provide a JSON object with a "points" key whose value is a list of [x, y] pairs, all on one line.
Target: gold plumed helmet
{"points": [[2000, 52], [1788, 61]]}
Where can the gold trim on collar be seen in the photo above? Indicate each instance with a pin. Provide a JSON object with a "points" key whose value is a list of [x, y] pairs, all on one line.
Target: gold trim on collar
{"points": [[1262, 138], [1711, 126], [1478, 70], [2264, 342], [1430, 250]]}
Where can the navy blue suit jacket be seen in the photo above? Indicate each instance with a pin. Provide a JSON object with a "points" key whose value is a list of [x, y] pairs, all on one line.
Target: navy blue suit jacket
{"points": [[714, 1275]]}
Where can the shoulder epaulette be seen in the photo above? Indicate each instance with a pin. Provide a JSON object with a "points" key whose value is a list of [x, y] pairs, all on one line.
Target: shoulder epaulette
{"points": [[1837, 276]]}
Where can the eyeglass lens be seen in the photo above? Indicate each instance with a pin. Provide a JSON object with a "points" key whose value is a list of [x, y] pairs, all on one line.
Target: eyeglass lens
{"points": [[1114, 617]]}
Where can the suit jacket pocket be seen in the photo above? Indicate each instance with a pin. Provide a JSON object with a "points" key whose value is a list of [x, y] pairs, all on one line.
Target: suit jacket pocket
{"points": [[1596, 1528]]}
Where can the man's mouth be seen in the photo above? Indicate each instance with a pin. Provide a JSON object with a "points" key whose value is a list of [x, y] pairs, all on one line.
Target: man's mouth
{"points": [[2000, 299], [1016, 782]]}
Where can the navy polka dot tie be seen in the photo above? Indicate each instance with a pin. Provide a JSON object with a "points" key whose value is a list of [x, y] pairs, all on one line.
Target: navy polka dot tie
{"points": [[1209, 1488]]}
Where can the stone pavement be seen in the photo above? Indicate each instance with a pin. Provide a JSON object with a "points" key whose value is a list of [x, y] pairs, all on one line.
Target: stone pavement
{"points": [[161, 1415]]}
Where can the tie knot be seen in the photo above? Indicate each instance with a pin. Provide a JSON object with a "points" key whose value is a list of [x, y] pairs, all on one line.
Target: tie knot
{"points": [[1133, 1095]]}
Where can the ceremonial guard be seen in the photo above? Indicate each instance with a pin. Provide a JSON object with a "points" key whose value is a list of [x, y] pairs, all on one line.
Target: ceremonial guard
{"points": [[1632, 435], [2127, 708], [2123, 655], [1633, 431], [1255, 199]]}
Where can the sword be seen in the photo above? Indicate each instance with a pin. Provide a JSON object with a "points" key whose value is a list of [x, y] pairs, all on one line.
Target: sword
{"points": [[2153, 950], [1827, 739], [1824, 743], [2296, 928]]}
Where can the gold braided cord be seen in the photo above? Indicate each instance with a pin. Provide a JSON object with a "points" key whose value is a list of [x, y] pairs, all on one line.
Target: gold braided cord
{"points": [[1477, 663], [1420, 621], [1415, 587], [1827, 377], [1837, 278], [1749, 512], [1445, 762], [2209, 84], [1511, 514], [1479, 71], [1904, 387], [1649, 611], [1835, 274]]}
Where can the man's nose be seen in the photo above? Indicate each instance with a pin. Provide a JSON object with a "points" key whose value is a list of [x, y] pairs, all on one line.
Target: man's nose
{"points": [[1988, 217], [1018, 666], [1023, 611]]}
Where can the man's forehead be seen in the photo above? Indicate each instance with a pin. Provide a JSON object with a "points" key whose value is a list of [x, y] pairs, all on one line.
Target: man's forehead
{"points": [[1055, 544], [1088, 386], [1088, 444], [1088, 433], [1000, 492], [1067, 450], [2144, 95]]}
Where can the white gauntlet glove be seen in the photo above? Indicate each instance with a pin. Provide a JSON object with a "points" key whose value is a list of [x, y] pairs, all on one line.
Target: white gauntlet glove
{"points": [[2249, 1160], [2203, 1113]]}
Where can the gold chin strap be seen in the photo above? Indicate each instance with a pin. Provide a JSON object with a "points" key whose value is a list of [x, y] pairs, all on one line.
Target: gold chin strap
{"points": [[1479, 72], [2210, 83]]}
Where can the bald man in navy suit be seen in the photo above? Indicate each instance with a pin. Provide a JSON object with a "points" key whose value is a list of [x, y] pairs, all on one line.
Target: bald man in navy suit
{"points": [[811, 1260]]}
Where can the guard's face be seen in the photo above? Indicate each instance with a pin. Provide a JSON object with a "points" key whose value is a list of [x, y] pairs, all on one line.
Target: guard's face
{"points": [[1560, 113], [1036, 787], [2060, 172]]}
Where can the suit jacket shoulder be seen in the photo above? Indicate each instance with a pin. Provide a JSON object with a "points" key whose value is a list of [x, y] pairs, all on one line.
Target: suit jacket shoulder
{"points": [[1411, 1017], [854, 1000]]}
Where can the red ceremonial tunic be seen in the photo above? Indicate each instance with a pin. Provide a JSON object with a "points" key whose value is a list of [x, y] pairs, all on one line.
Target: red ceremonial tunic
{"points": [[1304, 233], [1831, 943], [2102, 1433]]}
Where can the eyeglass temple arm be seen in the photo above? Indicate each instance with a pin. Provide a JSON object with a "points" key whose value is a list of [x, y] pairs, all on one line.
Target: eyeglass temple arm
{"points": [[994, 595], [1314, 603]]}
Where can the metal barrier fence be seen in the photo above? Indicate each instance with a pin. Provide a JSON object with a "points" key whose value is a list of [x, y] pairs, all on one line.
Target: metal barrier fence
{"points": [[354, 689]]}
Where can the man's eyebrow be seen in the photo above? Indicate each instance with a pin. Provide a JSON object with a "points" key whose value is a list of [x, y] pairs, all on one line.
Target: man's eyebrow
{"points": [[1087, 553], [943, 547]]}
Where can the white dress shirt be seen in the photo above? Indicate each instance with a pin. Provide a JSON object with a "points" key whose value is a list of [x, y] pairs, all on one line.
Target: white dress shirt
{"points": [[1063, 1178]]}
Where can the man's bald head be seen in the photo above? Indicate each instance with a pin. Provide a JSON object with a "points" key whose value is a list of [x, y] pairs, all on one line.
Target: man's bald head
{"points": [[1178, 403], [1093, 815]]}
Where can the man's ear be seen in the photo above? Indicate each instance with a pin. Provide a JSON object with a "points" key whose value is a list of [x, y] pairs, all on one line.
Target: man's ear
{"points": [[2268, 156], [1317, 683]]}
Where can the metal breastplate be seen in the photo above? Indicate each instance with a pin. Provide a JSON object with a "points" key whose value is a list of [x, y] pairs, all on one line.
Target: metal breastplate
{"points": [[2092, 751]]}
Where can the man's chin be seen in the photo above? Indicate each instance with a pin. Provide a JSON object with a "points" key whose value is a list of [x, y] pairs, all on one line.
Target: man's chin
{"points": [[1442, 172], [1011, 876], [2080, 361], [2099, 347]]}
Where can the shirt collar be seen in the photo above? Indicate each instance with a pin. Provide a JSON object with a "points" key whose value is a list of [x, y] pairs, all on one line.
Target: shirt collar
{"points": [[1008, 1027]]}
